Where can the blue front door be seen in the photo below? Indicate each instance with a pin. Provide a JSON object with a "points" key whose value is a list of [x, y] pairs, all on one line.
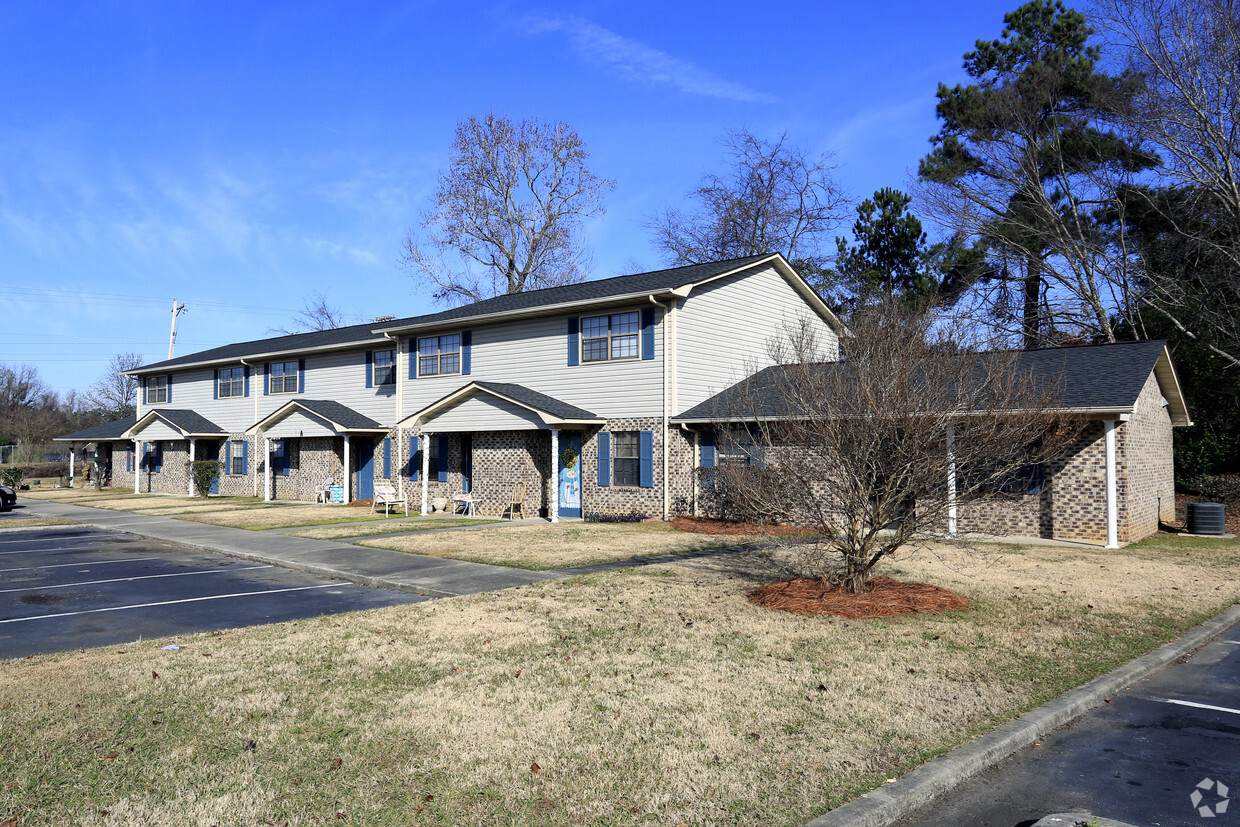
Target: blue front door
{"points": [[570, 474], [364, 450], [467, 463]]}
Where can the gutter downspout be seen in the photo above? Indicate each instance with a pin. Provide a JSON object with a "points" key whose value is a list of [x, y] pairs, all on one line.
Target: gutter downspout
{"points": [[401, 372], [667, 495], [1112, 493], [258, 437]]}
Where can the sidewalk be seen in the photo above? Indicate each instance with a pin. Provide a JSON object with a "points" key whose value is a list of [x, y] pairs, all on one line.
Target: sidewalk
{"points": [[366, 566]]}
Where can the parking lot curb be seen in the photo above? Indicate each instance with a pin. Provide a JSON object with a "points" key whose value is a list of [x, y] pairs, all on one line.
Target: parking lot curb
{"points": [[886, 804]]}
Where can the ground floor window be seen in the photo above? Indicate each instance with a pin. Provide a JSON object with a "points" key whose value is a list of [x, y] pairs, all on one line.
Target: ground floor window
{"points": [[626, 457]]}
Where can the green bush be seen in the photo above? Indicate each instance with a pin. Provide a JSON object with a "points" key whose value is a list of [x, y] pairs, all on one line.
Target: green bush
{"points": [[204, 473], [1223, 488], [12, 476]]}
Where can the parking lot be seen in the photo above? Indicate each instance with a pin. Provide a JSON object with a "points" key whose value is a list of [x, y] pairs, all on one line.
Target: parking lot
{"points": [[71, 588]]}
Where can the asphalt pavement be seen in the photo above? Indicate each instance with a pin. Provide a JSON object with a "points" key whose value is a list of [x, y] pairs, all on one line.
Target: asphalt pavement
{"points": [[1156, 754], [70, 588]]}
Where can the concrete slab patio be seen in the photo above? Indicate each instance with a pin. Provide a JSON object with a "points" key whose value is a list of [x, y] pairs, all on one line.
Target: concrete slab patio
{"points": [[356, 564]]}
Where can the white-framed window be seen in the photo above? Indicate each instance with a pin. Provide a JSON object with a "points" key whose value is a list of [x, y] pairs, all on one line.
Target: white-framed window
{"points": [[236, 464], [438, 355], [385, 367], [626, 458], [610, 337], [283, 378], [156, 390], [232, 382]]}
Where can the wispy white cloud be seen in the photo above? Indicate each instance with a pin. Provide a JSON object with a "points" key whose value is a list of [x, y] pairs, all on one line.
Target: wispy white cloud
{"points": [[637, 61], [864, 126]]}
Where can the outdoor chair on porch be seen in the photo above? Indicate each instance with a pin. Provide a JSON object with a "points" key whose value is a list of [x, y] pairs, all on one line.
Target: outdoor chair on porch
{"points": [[516, 502], [323, 494], [386, 496]]}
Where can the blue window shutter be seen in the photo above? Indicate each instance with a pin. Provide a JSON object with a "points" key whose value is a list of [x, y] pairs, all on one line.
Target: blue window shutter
{"points": [[387, 457], [415, 458], [245, 457], [129, 459], [467, 347], [443, 458], [215, 388], [246, 371], [301, 375], [142, 463], [143, 390], [708, 449], [757, 456], [227, 466], [647, 332], [168, 396], [646, 466], [574, 346], [412, 355], [266, 378], [283, 454], [370, 369], [604, 459]]}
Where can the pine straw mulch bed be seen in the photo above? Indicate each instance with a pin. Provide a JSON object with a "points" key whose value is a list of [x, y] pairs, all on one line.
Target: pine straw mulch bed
{"points": [[1231, 520], [887, 597], [708, 525]]}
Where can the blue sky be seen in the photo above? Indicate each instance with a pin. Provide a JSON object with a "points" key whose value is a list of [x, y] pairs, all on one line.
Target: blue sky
{"points": [[238, 156]]}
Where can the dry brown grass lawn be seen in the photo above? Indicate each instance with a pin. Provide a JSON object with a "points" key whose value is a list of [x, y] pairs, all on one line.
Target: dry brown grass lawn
{"points": [[549, 546], [420, 524], [12, 521], [649, 696], [286, 516], [72, 494]]}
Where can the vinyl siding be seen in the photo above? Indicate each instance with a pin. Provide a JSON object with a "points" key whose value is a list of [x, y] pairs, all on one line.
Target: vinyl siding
{"points": [[299, 424], [158, 430], [483, 412], [724, 329], [534, 353]]}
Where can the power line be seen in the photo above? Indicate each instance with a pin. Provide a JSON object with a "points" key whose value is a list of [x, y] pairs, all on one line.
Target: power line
{"points": [[60, 296]]}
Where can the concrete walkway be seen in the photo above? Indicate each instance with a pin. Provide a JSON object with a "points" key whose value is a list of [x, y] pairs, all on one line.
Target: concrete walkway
{"points": [[357, 564]]}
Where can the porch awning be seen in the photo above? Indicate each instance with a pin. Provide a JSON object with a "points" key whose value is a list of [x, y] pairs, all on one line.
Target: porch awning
{"points": [[114, 430], [498, 406], [314, 417], [173, 424]]}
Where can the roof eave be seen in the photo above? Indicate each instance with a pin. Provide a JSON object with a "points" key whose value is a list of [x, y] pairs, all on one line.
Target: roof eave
{"points": [[250, 357]]}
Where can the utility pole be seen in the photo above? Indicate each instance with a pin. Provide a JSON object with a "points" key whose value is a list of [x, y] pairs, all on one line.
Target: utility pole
{"points": [[177, 310]]}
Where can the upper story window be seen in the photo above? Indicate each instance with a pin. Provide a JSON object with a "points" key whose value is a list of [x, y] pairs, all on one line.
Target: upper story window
{"points": [[611, 337], [439, 354], [232, 382], [283, 377], [156, 389], [385, 367]]}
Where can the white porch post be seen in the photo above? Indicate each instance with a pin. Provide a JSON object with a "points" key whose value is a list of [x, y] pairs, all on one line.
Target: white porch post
{"points": [[554, 510], [348, 472], [1112, 497], [426, 471], [191, 466], [951, 480], [266, 469], [72, 451], [137, 466]]}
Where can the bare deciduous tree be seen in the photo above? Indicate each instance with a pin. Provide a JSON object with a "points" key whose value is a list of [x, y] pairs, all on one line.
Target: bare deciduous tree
{"points": [[861, 451], [315, 314], [114, 395], [508, 211], [774, 198]]}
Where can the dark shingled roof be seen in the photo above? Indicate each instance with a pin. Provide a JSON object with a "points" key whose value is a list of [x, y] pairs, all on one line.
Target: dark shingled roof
{"points": [[1092, 376], [539, 401], [342, 415], [191, 422], [101, 433], [655, 281]]}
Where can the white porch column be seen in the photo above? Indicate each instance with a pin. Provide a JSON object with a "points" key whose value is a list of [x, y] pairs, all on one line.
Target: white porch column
{"points": [[137, 466], [191, 467], [348, 472], [266, 469], [1112, 494], [426, 472], [951, 480], [553, 511], [72, 451]]}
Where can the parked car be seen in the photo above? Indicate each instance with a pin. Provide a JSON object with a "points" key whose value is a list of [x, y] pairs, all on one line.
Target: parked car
{"points": [[8, 498]]}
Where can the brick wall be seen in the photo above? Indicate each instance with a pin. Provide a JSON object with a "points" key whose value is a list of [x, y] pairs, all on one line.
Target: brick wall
{"points": [[1145, 466]]}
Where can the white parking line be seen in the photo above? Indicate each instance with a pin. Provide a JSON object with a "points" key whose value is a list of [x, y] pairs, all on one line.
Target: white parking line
{"points": [[168, 603], [1197, 705], [129, 579], [36, 539], [82, 564], [44, 549]]}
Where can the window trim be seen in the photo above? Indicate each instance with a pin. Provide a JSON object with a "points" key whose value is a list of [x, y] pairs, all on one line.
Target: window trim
{"points": [[238, 382], [616, 474], [439, 353], [284, 378], [636, 336], [153, 385], [376, 367]]}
